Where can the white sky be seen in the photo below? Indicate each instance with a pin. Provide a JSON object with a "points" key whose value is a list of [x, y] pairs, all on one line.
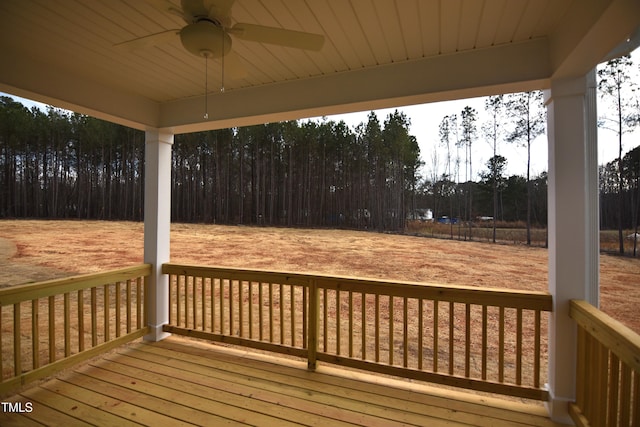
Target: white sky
{"points": [[425, 121]]}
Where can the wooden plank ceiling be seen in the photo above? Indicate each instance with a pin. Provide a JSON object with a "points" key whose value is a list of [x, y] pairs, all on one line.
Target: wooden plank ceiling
{"points": [[78, 38]]}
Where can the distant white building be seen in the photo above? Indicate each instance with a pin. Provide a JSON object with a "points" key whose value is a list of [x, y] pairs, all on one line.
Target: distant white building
{"points": [[421, 215]]}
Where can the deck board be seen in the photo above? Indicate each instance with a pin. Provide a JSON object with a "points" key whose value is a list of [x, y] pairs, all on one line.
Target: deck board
{"points": [[185, 382]]}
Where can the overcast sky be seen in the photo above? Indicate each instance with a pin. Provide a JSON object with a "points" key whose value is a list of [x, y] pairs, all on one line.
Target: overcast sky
{"points": [[425, 123]]}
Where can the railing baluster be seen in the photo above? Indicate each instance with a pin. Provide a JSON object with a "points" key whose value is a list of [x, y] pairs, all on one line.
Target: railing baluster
{"points": [[221, 306], [350, 299], [405, 333], [292, 315], [501, 345], [436, 335], [194, 301], [203, 285], [270, 312], [325, 320], [338, 322], [231, 308], [67, 325], [391, 330], [281, 297], [139, 302], [35, 334], [363, 309], [260, 309], [636, 398], [17, 346], [451, 337], [625, 401], [128, 302], [118, 308], [581, 369], [377, 327], [614, 387], [81, 321], [186, 301], [467, 341], [305, 317], [170, 298], [599, 390], [312, 346], [52, 329], [178, 303], [241, 307], [420, 332], [105, 300], [519, 346], [484, 342], [536, 350], [250, 298], [213, 304], [94, 320]]}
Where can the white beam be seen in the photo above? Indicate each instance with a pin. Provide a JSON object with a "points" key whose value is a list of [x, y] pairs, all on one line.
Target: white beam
{"points": [[43, 82], [157, 223], [514, 67], [573, 226]]}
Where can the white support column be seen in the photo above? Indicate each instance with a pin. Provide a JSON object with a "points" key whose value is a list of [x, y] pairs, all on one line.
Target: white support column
{"points": [[573, 226], [593, 193], [157, 222]]}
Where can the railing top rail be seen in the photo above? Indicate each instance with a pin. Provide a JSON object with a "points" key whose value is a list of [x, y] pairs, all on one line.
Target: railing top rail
{"points": [[498, 297], [237, 274], [30, 291], [621, 340]]}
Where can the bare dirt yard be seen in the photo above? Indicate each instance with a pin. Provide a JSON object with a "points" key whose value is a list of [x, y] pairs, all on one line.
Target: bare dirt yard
{"points": [[32, 250]]}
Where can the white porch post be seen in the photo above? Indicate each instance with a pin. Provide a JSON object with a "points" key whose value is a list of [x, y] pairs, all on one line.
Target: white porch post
{"points": [[157, 222], [573, 225]]}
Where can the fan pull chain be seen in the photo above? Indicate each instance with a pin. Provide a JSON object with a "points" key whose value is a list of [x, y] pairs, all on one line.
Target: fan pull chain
{"points": [[206, 86], [222, 82]]}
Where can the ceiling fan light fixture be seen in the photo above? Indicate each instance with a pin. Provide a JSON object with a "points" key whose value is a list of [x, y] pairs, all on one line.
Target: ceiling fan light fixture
{"points": [[205, 38]]}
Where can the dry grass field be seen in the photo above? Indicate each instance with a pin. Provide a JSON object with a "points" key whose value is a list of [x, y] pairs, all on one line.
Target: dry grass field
{"points": [[32, 250]]}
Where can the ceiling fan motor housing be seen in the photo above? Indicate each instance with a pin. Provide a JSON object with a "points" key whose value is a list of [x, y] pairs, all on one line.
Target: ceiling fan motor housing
{"points": [[205, 38]]}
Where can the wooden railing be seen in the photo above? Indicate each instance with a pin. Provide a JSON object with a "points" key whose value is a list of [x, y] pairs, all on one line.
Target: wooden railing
{"points": [[483, 339], [608, 370], [47, 326]]}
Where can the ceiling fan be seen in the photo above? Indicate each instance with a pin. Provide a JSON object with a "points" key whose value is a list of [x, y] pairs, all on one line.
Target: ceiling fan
{"points": [[210, 29]]}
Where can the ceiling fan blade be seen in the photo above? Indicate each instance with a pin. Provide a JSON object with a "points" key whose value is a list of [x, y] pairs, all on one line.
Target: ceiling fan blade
{"points": [[194, 9], [277, 36], [166, 6], [150, 40], [219, 9]]}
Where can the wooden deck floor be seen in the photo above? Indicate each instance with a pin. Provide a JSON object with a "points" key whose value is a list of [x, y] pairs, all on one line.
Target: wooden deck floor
{"points": [[183, 382]]}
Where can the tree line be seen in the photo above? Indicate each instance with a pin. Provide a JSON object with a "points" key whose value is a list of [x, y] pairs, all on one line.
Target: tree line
{"points": [[298, 174], [58, 164], [621, 188]]}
